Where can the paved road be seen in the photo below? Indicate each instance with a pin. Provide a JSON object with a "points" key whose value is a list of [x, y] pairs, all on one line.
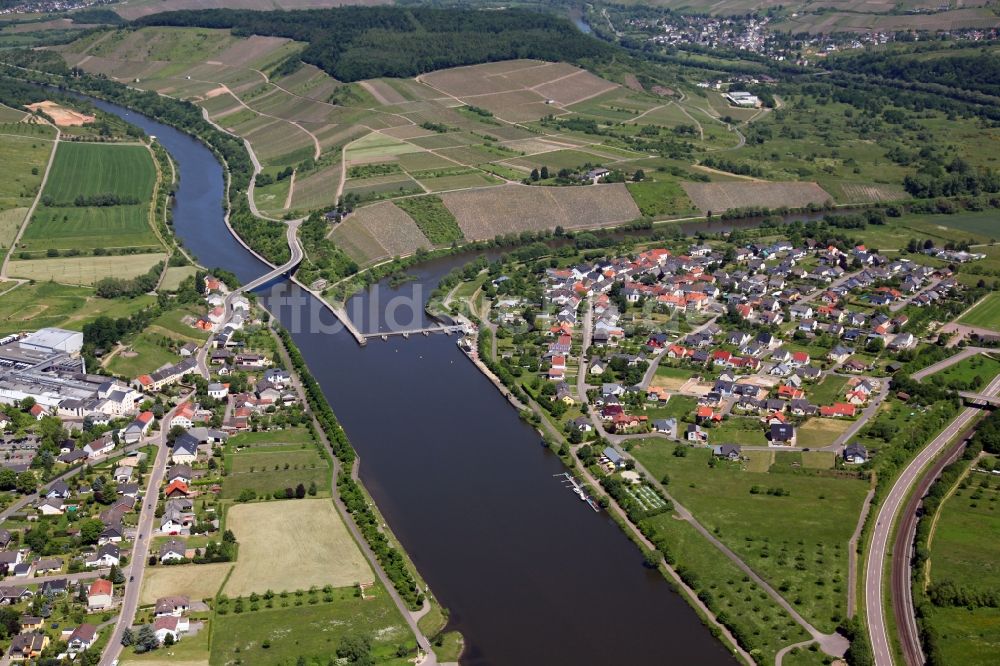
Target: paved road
{"points": [[950, 361], [886, 517], [901, 589], [140, 551], [902, 303]]}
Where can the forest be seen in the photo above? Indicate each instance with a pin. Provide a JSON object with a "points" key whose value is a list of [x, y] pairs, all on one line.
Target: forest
{"points": [[353, 43]]}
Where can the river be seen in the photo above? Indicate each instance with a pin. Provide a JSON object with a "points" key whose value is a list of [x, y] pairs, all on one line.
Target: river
{"points": [[530, 574]]}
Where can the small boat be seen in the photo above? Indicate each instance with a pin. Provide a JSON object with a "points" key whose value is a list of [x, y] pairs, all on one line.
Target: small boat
{"points": [[579, 491]]}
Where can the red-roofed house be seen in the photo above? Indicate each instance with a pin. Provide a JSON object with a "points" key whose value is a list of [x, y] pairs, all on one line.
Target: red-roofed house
{"points": [[100, 594], [837, 409]]}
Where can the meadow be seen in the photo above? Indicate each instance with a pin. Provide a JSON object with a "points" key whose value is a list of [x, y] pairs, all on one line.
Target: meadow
{"points": [[197, 581], [986, 313], [966, 543], [295, 628], [804, 554], [32, 306], [84, 270], [817, 432], [970, 374], [88, 228], [145, 353], [266, 470], [316, 548]]}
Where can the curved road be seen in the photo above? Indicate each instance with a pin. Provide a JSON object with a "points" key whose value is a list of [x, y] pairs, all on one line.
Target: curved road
{"points": [[886, 517]]}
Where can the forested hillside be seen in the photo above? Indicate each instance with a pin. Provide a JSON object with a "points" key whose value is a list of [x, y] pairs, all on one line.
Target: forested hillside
{"points": [[353, 43]]}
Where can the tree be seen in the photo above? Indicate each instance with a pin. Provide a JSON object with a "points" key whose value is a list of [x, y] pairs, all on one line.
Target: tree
{"points": [[300, 491], [168, 640], [10, 622], [312, 489], [534, 175], [128, 637], [26, 483], [146, 639], [247, 495], [639, 175], [544, 173], [90, 531], [8, 479], [116, 575], [27, 403]]}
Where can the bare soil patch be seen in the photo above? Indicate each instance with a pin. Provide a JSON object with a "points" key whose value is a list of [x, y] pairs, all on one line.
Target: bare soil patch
{"points": [[60, 115]]}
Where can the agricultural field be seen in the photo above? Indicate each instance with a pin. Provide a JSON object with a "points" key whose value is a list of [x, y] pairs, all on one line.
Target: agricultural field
{"points": [[719, 197], [661, 198], [90, 169], [24, 157], [985, 314], [818, 513], [379, 231], [435, 221], [84, 270], [483, 214], [87, 228], [316, 547], [198, 581], [292, 629]]}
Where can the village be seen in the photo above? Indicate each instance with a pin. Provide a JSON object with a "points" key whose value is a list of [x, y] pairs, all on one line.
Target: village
{"points": [[761, 347], [98, 449]]}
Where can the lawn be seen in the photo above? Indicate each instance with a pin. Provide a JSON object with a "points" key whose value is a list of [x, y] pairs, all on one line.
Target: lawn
{"points": [[172, 323], [747, 431], [279, 636], [797, 541], [90, 169], [143, 355], [265, 471], [198, 581], [315, 547], [271, 438], [985, 314], [817, 432], [189, 651], [832, 389], [174, 276]]}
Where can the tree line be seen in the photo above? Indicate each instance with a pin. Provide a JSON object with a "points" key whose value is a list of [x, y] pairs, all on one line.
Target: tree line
{"points": [[354, 43]]}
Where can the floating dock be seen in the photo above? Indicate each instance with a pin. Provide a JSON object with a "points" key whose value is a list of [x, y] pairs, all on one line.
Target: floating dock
{"points": [[569, 481]]}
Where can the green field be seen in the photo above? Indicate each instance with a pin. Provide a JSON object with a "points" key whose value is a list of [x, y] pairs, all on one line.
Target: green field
{"points": [[804, 554], [817, 432], [832, 389], [746, 431], [966, 544], [32, 306], [23, 159], [727, 590], [90, 169], [266, 470], [986, 313], [271, 438], [967, 637], [106, 227], [145, 353], [296, 628], [661, 198], [433, 218], [970, 374]]}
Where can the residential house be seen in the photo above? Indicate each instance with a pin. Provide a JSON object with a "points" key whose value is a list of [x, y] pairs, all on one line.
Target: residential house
{"points": [[82, 638], [28, 646], [838, 409], [169, 625], [667, 427], [51, 507], [614, 457], [782, 434], [100, 595], [855, 454], [174, 606], [695, 433], [727, 451], [173, 550], [106, 556]]}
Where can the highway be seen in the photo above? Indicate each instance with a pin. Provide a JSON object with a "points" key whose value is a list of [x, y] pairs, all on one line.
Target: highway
{"points": [[886, 517]]}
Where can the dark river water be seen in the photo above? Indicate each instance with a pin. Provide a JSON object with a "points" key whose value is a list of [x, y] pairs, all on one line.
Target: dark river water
{"points": [[530, 573]]}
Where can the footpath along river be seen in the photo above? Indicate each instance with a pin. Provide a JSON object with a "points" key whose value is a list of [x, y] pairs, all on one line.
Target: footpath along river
{"points": [[530, 573]]}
